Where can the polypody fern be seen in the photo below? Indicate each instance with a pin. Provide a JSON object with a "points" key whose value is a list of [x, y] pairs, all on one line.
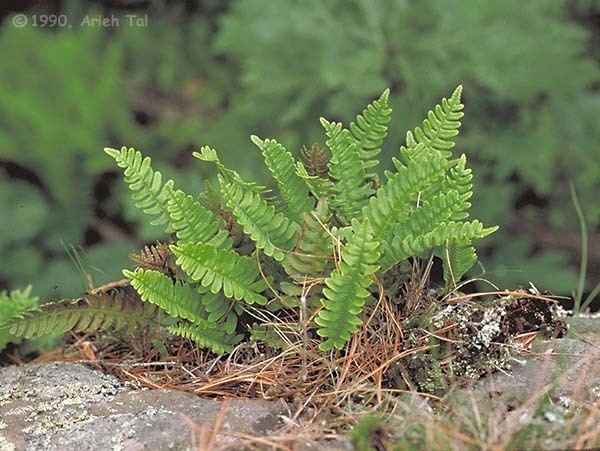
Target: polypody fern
{"points": [[336, 228]]}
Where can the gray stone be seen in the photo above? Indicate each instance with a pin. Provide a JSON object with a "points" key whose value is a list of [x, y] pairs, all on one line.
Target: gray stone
{"points": [[567, 369], [63, 406]]}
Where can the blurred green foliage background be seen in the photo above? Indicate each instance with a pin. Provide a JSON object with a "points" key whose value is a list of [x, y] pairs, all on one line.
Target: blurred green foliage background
{"points": [[211, 72]]}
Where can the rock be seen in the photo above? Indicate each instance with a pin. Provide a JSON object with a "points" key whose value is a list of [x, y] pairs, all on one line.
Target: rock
{"points": [[566, 369], [65, 406]]}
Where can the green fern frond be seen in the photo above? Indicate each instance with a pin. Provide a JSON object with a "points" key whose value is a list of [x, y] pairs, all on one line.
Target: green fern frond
{"points": [[396, 199], [217, 340], [220, 270], [458, 259], [148, 192], [276, 336], [218, 306], [460, 180], [103, 312], [282, 166], [193, 222], [370, 129], [346, 288], [312, 253], [271, 231], [440, 127], [13, 303], [210, 155], [351, 184], [178, 300], [406, 246], [430, 213]]}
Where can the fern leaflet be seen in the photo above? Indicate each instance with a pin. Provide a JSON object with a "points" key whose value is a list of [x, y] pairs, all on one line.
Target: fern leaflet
{"points": [[282, 166], [218, 341], [370, 129], [272, 232], [178, 300], [458, 259], [193, 222], [316, 161], [311, 256], [439, 128], [149, 193], [346, 289], [398, 197], [101, 312], [352, 189], [221, 270], [403, 247]]}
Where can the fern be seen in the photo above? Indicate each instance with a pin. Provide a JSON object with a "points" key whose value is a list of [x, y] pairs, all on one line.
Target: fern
{"points": [[346, 288], [316, 161], [271, 231], [370, 129], [104, 312], [216, 340], [332, 235], [149, 193], [458, 259], [440, 127], [460, 180], [155, 257], [423, 218], [218, 307], [193, 222], [210, 155], [406, 246], [311, 256], [234, 274], [282, 166], [398, 197], [352, 189], [178, 300], [319, 187]]}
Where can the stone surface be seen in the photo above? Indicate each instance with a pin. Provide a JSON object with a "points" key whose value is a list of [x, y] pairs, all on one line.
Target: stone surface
{"points": [[567, 370], [63, 406]]}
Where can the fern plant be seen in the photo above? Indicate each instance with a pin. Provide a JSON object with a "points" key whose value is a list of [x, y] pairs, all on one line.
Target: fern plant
{"points": [[13, 303], [335, 225]]}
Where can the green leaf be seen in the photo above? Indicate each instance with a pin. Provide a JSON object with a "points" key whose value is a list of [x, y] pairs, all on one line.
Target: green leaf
{"points": [[282, 166], [220, 270], [351, 185], [148, 191], [370, 129], [440, 127], [271, 231], [192, 222], [346, 288], [178, 300], [105, 312]]}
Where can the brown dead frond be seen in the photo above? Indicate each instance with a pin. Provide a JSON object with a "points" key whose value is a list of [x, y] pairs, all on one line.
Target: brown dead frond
{"points": [[153, 256]]}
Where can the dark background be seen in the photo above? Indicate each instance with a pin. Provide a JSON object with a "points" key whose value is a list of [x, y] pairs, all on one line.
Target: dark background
{"points": [[213, 72]]}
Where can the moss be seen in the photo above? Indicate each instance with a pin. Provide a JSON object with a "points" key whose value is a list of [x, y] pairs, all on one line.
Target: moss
{"points": [[470, 340]]}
